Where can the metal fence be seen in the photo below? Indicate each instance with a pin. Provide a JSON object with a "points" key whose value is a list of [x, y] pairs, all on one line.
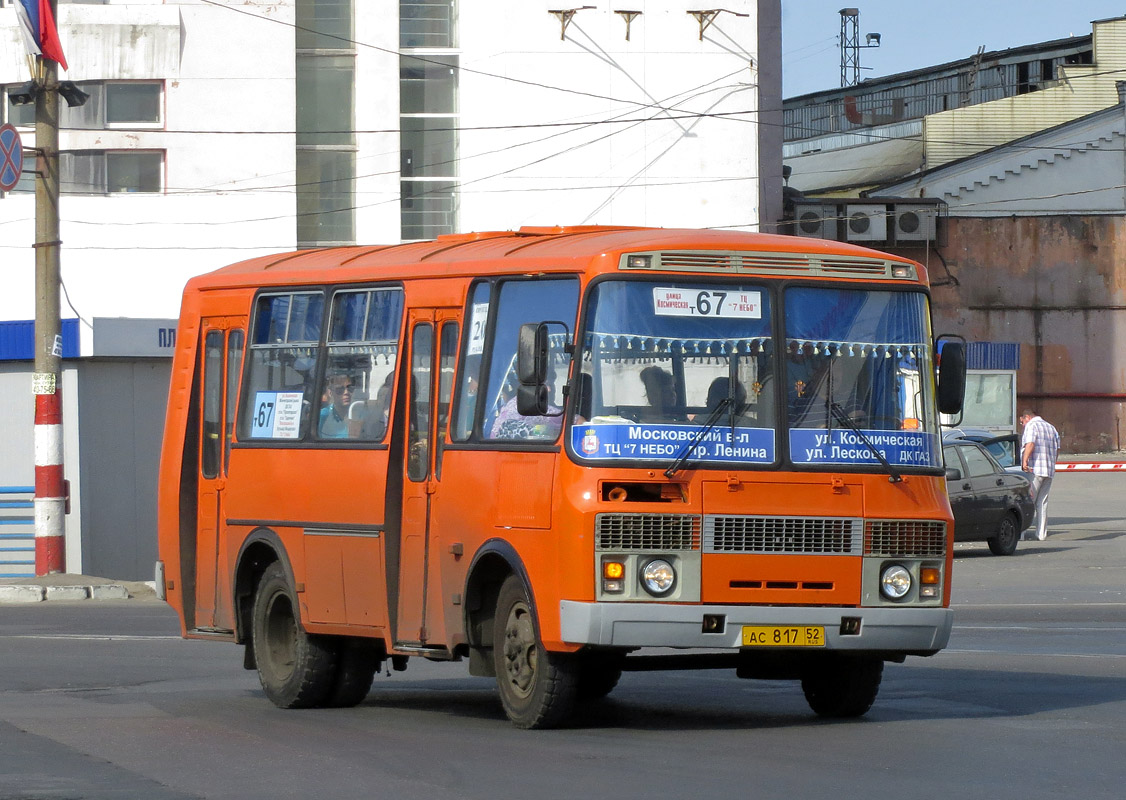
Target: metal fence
{"points": [[17, 532]]}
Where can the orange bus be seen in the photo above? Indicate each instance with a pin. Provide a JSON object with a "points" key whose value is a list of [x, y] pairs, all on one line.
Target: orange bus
{"points": [[559, 453]]}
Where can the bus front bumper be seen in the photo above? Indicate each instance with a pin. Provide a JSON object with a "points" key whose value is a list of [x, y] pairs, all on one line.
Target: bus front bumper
{"points": [[906, 630]]}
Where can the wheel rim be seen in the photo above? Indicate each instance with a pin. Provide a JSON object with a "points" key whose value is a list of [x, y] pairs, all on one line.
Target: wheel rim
{"points": [[520, 652], [1008, 531], [281, 636]]}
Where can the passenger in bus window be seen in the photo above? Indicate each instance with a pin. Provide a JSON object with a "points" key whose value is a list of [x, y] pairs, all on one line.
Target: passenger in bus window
{"points": [[660, 392], [718, 392], [377, 412], [511, 424], [334, 414]]}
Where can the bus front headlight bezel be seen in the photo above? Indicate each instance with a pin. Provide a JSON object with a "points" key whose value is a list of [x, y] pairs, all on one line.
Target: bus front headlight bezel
{"points": [[658, 577], [895, 582]]}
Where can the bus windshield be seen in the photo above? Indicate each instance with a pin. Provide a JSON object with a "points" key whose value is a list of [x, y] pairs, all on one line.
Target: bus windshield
{"points": [[659, 360]]}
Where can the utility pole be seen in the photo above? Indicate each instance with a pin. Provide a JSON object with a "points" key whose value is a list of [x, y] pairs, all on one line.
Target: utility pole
{"points": [[37, 26], [50, 485]]}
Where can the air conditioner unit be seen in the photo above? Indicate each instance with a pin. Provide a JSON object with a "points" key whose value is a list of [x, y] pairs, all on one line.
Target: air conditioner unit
{"points": [[815, 220], [866, 223], [915, 223]]}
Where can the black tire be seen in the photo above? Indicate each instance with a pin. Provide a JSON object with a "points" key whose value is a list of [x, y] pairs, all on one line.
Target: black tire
{"points": [[843, 686], [1004, 542], [598, 674], [537, 688], [357, 661], [296, 670]]}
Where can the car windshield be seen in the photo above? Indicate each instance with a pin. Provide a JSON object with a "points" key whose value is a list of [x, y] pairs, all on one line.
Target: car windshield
{"points": [[852, 375]]}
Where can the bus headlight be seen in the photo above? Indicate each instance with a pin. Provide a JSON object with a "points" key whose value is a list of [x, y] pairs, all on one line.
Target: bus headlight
{"points": [[658, 577], [895, 583]]}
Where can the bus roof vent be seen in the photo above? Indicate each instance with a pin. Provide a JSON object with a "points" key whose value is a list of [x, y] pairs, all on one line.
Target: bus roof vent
{"points": [[768, 264]]}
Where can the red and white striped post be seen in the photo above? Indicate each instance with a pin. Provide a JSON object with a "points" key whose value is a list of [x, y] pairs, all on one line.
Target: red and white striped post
{"points": [[50, 486]]}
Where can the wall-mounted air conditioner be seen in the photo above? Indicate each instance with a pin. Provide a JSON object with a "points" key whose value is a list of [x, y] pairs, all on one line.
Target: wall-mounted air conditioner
{"points": [[915, 223], [816, 220], [866, 223]]}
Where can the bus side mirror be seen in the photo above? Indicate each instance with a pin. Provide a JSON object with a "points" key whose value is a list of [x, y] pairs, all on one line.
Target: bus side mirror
{"points": [[951, 376], [531, 370]]}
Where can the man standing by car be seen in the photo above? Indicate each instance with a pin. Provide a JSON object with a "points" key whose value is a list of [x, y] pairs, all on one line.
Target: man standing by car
{"points": [[1040, 444]]}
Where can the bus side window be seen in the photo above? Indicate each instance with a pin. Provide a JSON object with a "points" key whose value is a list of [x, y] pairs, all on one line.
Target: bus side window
{"points": [[212, 402], [363, 346], [277, 398], [447, 355], [524, 301], [235, 343], [469, 381]]}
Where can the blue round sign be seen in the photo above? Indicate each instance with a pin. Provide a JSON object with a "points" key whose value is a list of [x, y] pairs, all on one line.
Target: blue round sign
{"points": [[11, 157]]}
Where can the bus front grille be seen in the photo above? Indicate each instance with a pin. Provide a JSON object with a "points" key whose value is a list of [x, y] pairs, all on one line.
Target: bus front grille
{"points": [[838, 536], [905, 537], [647, 531]]}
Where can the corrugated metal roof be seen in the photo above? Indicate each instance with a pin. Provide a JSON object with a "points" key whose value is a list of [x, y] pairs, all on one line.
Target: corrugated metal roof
{"points": [[17, 339]]}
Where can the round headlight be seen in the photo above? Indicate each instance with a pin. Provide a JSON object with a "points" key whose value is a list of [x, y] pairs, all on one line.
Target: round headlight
{"points": [[658, 577], [895, 583]]}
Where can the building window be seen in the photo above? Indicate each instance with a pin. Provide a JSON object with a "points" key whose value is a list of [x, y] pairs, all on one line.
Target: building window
{"points": [[426, 23], [111, 171], [133, 103], [20, 116], [428, 208], [324, 25], [324, 99], [428, 122], [325, 197], [326, 142]]}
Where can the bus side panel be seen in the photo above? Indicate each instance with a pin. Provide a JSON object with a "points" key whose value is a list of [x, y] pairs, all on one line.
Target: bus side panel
{"points": [[332, 502]]}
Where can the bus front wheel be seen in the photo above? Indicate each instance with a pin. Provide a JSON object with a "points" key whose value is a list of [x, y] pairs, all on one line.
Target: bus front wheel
{"points": [[296, 669], [842, 686], [537, 688]]}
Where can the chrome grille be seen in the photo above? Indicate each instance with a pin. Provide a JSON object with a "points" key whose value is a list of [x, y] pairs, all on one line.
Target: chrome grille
{"points": [[905, 537], [647, 531], [792, 535]]}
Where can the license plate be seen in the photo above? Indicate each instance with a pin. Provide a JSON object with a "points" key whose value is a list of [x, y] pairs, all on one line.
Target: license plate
{"points": [[783, 636]]}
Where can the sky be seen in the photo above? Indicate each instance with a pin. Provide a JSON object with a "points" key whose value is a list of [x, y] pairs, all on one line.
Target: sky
{"points": [[917, 34]]}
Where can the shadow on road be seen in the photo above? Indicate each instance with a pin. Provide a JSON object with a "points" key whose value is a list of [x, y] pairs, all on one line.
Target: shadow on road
{"points": [[720, 701]]}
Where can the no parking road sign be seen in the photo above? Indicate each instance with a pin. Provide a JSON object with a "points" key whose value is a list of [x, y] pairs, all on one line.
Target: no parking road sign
{"points": [[11, 157]]}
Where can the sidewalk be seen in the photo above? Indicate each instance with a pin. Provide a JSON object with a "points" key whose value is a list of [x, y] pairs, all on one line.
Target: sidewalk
{"points": [[64, 587]]}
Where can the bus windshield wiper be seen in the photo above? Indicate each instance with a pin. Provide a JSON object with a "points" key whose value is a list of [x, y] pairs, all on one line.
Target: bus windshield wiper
{"points": [[838, 412], [709, 423]]}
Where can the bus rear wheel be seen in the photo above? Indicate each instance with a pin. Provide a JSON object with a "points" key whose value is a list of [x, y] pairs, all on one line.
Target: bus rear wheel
{"points": [[537, 688], [296, 669], [842, 686]]}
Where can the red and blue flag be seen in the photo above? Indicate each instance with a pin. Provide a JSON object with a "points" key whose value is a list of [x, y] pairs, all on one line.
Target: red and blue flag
{"points": [[37, 24]]}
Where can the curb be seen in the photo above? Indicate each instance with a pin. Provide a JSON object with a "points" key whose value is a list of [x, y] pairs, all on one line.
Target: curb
{"points": [[18, 595]]}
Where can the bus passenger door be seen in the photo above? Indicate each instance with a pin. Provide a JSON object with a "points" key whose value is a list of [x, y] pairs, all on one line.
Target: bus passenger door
{"points": [[433, 337], [222, 363]]}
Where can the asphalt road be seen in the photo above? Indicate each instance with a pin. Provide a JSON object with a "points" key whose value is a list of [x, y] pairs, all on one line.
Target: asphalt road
{"points": [[103, 700]]}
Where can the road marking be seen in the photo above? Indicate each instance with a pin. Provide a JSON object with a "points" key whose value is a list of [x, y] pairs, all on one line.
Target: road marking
{"points": [[1033, 653], [1046, 627], [84, 637]]}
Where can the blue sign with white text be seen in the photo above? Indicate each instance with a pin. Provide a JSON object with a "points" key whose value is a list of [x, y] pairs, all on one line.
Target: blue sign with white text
{"points": [[843, 446], [629, 440]]}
